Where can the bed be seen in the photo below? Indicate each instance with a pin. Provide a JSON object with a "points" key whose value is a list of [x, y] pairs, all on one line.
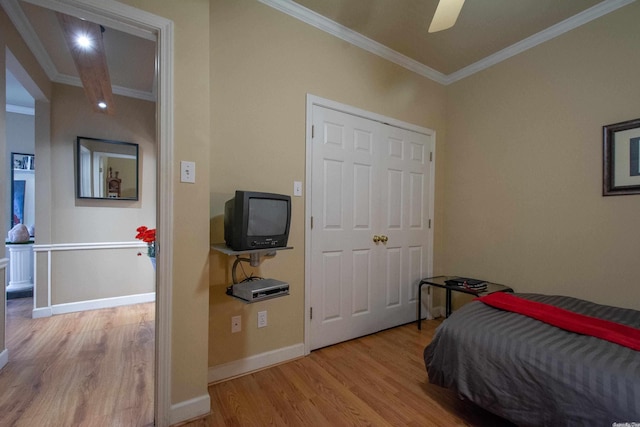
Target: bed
{"points": [[533, 373]]}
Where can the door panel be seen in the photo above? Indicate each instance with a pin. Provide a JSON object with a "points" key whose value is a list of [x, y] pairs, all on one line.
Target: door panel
{"points": [[367, 179]]}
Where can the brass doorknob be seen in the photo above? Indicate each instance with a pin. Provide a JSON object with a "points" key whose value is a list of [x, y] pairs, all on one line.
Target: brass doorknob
{"points": [[384, 239], [376, 239]]}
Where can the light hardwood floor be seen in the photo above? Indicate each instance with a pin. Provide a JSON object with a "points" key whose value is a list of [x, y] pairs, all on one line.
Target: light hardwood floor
{"points": [[91, 368], [96, 369], [377, 380]]}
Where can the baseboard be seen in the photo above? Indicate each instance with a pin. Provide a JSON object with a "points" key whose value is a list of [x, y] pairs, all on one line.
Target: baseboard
{"points": [[41, 312], [254, 363], [438, 311], [4, 358], [95, 304], [189, 409]]}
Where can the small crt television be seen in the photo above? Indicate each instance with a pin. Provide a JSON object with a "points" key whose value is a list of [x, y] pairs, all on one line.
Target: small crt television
{"points": [[254, 220]]}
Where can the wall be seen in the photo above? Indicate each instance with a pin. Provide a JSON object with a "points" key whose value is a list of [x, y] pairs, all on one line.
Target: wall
{"points": [[263, 64], [95, 274], [523, 170], [190, 292]]}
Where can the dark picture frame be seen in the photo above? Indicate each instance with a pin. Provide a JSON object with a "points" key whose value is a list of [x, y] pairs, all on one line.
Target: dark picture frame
{"points": [[621, 158], [106, 169]]}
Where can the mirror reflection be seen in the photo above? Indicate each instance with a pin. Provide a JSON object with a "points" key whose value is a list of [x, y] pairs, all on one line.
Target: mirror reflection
{"points": [[107, 169], [22, 189]]}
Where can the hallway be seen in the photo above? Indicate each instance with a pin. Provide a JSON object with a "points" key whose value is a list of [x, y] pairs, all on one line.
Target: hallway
{"points": [[105, 358]]}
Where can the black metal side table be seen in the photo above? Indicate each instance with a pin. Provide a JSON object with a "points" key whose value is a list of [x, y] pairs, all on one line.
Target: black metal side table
{"points": [[440, 282]]}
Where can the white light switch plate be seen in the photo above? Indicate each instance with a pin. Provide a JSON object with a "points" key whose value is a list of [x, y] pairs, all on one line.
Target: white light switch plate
{"points": [[297, 188], [187, 171]]}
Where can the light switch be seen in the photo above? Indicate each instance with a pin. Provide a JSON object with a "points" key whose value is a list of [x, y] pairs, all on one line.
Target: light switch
{"points": [[187, 171], [297, 188]]}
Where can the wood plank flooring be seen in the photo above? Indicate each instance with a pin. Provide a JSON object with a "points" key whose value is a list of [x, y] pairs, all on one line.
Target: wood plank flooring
{"points": [[92, 368], [377, 380], [96, 369]]}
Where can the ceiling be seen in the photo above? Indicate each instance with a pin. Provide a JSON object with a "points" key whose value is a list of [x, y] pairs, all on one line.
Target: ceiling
{"points": [[130, 57], [487, 32], [483, 28]]}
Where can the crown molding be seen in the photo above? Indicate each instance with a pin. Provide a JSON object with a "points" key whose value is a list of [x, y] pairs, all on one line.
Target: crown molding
{"points": [[117, 90], [325, 24], [19, 109], [556, 30], [21, 22], [28, 33]]}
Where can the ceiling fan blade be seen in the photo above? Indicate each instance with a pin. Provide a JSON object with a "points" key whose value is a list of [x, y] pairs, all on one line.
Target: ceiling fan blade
{"points": [[446, 15]]}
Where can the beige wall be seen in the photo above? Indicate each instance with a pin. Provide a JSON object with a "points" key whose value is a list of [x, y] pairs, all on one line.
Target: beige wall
{"points": [[523, 167], [95, 274], [263, 64], [191, 201]]}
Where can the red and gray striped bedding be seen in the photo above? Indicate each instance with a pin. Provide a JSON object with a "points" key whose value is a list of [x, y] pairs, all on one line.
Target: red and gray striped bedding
{"points": [[533, 373]]}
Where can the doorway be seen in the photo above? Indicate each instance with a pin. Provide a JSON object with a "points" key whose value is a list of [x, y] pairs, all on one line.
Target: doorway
{"points": [[127, 18], [370, 184]]}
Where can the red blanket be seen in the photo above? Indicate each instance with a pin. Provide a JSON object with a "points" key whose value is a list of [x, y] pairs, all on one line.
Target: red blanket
{"points": [[582, 324]]}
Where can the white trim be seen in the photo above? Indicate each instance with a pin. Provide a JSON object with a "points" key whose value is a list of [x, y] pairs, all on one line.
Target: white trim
{"points": [[98, 304], [37, 313], [192, 408], [325, 24], [55, 247], [22, 23], [254, 363], [95, 304], [560, 28], [117, 90], [438, 311], [327, 103], [164, 248], [19, 109], [4, 262], [4, 358]]}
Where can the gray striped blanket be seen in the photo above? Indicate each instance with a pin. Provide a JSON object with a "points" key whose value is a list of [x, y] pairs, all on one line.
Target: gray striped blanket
{"points": [[533, 373]]}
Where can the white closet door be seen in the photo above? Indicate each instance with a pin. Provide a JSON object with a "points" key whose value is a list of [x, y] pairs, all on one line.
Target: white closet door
{"points": [[368, 179], [403, 167]]}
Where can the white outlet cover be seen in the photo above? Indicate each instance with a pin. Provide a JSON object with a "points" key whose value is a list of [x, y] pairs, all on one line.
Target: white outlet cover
{"points": [[187, 171], [262, 319]]}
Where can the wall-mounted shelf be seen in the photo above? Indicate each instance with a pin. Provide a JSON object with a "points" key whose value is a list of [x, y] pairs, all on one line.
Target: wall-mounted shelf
{"points": [[221, 247], [254, 254], [254, 261]]}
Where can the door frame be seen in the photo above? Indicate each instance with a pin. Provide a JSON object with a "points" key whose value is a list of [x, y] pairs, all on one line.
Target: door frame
{"points": [[129, 19], [313, 100]]}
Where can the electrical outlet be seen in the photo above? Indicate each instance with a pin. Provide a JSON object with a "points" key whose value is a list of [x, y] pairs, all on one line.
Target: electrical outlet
{"points": [[187, 171], [236, 324], [262, 319]]}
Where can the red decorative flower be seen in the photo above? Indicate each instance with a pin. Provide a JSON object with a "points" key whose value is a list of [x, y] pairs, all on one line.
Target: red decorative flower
{"points": [[147, 235]]}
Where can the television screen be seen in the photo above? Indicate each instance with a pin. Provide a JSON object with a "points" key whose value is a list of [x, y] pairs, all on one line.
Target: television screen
{"points": [[256, 220], [267, 217]]}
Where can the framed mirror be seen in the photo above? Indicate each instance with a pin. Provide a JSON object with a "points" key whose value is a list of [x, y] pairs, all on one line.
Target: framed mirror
{"points": [[22, 189], [621, 158], [106, 169]]}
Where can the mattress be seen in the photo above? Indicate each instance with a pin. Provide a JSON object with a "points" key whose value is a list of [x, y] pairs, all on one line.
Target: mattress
{"points": [[533, 373]]}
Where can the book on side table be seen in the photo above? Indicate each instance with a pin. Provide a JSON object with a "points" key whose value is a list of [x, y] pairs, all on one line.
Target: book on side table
{"points": [[468, 283]]}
